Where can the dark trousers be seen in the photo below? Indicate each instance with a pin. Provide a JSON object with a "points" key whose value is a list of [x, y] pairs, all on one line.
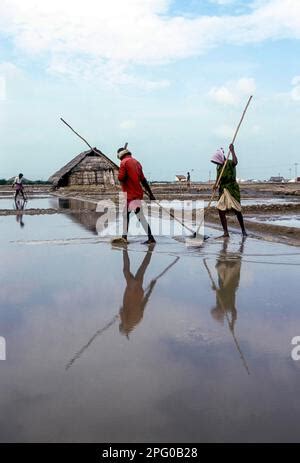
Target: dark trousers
{"points": [[141, 218]]}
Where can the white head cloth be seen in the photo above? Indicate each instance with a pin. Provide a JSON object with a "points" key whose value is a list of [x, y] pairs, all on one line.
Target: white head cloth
{"points": [[218, 157], [122, 153]]}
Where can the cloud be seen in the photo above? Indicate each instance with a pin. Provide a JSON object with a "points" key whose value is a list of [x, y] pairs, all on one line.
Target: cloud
{"points": [[110, 73], [295, 93], [128, 124], [233, 92], [222, 95], [2, 88], [222, 2], [134, 32], [8, 71], [224, 131]]}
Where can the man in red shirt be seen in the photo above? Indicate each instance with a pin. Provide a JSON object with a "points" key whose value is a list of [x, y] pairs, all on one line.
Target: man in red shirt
{"points": [[132, 179]]}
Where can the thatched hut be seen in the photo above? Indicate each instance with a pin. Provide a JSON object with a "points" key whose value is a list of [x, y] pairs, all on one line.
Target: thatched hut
{"points": [[91, 167]]}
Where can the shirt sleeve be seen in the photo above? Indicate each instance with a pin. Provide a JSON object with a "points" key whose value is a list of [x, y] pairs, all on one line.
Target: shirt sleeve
{"points": [[122, 172], [141, 173]]}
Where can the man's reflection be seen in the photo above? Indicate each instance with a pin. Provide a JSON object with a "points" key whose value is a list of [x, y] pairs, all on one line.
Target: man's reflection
{"points": [[135, 297]]}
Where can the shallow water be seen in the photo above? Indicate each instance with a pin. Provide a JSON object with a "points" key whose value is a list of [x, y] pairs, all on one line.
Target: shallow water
{"points": [[284, 220], [188, 204], [35, 202], [47, 201], [169, 344]]}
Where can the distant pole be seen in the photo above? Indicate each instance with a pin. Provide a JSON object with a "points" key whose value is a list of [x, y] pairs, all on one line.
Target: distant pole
{"points": [[296, 169]]}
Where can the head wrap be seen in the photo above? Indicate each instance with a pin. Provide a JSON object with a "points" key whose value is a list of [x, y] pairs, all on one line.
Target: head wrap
{"points": [[218, 157], [122, 153]]}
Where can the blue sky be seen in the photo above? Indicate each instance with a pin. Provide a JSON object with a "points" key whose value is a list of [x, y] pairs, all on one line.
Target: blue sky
{"points": [[170, 77]]}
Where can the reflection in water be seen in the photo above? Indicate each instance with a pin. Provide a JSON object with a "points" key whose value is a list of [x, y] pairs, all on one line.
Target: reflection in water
{"points": [[82, 212], [228, 267], [20, 204], [2, 348], [135, 299]]}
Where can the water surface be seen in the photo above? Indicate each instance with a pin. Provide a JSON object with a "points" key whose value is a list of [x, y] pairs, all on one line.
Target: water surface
{"points": [[145, 345]]}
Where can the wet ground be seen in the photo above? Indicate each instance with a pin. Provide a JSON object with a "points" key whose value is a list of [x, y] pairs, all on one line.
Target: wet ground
{"points": [[177, 204], [284, 220], [167, 344], [41, 202]]}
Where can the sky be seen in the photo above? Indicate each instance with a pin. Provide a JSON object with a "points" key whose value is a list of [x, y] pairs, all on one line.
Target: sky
{"points": [[170, 77]]}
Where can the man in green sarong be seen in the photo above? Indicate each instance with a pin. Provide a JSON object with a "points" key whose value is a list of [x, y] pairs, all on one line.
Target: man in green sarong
{"points": [[229, 190]]}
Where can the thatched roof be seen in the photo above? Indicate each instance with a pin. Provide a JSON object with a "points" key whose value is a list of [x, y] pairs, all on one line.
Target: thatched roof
{"points": [[55, 178]]}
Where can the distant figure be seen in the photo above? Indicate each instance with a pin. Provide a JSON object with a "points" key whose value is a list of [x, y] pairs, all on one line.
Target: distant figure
{"points": [[135, 297], [188, 179], [229, 190], [18, 185], [132, 178]]}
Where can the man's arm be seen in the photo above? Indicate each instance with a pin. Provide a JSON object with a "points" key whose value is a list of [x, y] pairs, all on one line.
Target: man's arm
{"points": [[147, 188], [234, 158], [122, 172]]}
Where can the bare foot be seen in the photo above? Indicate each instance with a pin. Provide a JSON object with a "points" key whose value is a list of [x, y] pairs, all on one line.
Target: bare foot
{"points": [[225, 235], [150, 240]]}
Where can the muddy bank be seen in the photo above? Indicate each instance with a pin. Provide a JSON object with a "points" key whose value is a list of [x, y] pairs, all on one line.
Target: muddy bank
{"points": [[172, 189], [5, 212], [266, 231], [165, 190], [7, 190]]}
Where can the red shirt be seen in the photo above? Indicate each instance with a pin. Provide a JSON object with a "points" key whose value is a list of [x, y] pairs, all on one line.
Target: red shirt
{"points": [[131, 175]]}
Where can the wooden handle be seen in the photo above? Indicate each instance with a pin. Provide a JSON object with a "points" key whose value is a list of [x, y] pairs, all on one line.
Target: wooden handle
{"points": [[233, 140], [224, 165]]}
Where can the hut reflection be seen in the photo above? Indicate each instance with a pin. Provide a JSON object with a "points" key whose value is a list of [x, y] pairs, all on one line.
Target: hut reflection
{"points": [[81, 212]]}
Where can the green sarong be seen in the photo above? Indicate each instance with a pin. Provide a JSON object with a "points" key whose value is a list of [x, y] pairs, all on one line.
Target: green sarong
{"points": [[228, 180]]}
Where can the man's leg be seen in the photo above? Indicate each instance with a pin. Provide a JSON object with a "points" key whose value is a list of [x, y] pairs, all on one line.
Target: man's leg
{"points": [[142, 219], [126, 216], [21, 191], [222, 215], [139, 276], [241, 221]]}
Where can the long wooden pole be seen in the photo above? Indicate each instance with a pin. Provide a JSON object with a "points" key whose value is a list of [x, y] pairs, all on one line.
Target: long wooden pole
{"points": [[125, 146], [87, 143], [225, 163]]}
